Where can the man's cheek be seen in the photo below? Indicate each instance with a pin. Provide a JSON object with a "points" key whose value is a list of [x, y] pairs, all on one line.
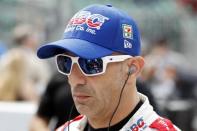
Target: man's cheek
{"points": [[70, 82]]}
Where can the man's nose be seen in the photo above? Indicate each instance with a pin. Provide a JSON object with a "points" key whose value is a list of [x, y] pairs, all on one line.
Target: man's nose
{"points": [[77, 77]]}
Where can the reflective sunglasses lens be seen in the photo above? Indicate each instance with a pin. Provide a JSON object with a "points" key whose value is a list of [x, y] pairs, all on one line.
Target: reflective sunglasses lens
{"points": [[93, 66], [64, 64]]}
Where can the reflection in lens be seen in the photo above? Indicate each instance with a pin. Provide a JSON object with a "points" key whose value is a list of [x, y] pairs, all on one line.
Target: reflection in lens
{"points": [[91, 66], [64, 64]]}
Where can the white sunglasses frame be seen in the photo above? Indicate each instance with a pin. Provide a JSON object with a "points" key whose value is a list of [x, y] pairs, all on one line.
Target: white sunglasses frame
{"points": [[106, 60]]}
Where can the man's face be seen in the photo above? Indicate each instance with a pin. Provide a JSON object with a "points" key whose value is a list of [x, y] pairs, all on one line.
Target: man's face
{"points": [[97, 95]]}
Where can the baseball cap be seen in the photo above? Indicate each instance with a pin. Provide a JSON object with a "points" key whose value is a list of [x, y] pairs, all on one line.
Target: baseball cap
{"points": [[94, 32]]}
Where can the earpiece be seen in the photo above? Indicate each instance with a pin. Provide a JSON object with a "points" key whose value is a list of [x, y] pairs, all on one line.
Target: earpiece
{"points": [[132, 69]]}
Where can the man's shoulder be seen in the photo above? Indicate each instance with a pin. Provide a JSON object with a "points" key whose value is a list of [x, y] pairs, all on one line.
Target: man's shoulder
{"points": [[163, 124], [78, 118]]}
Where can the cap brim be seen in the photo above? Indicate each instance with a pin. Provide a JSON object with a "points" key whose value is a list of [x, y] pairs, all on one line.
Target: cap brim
{"points": [[78, 47]]}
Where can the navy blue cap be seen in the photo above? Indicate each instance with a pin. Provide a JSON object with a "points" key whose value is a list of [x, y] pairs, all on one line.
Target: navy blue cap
{"points": [[96, 31]]}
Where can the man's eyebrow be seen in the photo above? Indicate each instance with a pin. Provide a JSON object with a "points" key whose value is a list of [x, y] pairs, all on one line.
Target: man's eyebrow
{"points": [[70, 54], [117, 53]]}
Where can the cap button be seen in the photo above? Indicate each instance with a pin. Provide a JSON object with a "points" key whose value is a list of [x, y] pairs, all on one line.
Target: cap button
{"points": [[109, 5]]}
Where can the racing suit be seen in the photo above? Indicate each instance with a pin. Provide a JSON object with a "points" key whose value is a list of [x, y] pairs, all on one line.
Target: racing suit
{"points": [[145, 119]]}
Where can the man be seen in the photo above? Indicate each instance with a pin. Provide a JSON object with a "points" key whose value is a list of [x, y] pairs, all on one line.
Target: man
{"points": [[100, 53]]}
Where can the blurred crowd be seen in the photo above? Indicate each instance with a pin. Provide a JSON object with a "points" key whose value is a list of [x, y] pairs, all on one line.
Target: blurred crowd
{"points": [[168, 75], [173, 82], [23, 75]]}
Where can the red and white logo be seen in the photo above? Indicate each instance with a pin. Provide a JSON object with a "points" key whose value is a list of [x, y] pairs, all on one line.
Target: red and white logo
{"points": [[91, 20], [139, 125]]}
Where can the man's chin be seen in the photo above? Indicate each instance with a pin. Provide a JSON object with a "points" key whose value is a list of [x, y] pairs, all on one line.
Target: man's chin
{"points": [[81, 107], [84, 109]]}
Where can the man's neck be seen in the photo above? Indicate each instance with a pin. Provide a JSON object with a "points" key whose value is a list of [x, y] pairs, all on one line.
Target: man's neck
{"points": [[128, 102], [119, 125]]}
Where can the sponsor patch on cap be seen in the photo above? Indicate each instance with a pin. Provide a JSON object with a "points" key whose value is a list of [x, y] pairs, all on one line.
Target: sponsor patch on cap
{"points": [[127, 31]]}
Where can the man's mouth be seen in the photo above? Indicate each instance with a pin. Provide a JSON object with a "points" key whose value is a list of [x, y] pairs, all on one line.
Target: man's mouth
{"points": [[81, 97]]}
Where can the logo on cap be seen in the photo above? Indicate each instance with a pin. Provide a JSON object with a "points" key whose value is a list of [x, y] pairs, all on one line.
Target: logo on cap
{"points": [[127, 31], [93, 21], [127, 44]]}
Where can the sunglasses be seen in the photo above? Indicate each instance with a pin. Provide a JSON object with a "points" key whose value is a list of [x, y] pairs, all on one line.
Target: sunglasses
{"points": [[89, 67]]}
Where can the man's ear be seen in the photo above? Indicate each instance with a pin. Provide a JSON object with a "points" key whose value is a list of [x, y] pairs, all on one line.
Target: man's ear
{"points": [[132, 70], [135, 65]]}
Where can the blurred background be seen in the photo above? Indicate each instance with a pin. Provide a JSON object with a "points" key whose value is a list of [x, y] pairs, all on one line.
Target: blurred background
{"points": [[168, 32]]}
